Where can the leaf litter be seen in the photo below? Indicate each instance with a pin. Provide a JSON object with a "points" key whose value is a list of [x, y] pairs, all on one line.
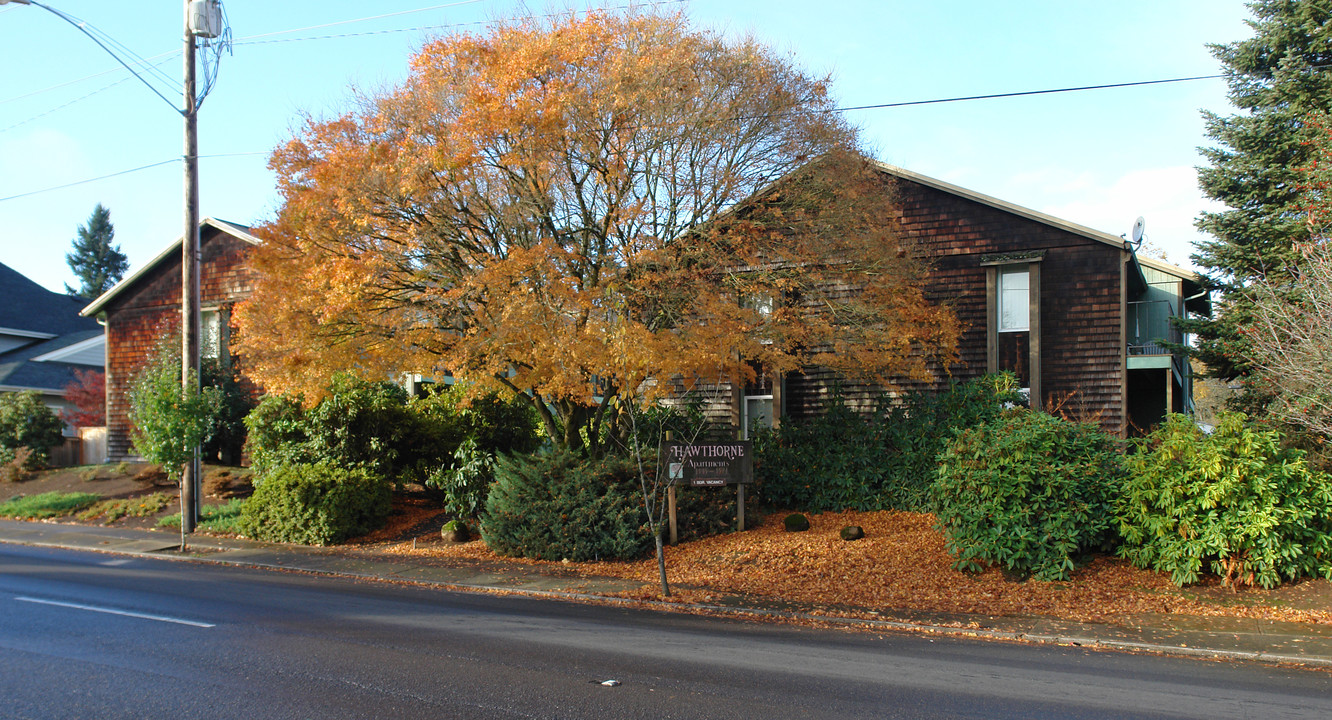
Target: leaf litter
{"points": [[900, 566]]}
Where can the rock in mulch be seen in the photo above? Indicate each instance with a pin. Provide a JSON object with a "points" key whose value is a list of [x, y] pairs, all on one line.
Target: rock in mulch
{"points": [[852, 532], [795, 522]]}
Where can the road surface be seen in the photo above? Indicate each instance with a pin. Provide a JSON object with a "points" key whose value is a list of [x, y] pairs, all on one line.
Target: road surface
{"points": [[87, 635]]}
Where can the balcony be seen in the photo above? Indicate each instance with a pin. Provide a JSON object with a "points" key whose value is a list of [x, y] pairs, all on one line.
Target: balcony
{"points": [[1149, 327]]}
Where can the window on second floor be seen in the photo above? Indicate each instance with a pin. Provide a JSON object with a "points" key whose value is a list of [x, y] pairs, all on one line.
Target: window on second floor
{"points": [[1014, 299], [210, 337]]}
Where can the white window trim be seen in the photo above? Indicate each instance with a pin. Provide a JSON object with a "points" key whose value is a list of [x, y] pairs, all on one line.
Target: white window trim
{"points": [[999, 297], [744, 411]]}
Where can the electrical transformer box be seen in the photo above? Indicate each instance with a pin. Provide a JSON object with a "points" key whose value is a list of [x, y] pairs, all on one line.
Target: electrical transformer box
{"points": [[205, 18]]}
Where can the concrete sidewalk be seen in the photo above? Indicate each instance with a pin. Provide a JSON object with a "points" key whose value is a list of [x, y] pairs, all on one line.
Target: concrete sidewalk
{"points": [[1215, 637]]}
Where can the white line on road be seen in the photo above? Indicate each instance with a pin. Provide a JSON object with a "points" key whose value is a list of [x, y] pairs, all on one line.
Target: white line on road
{"points": [[113, 611]]}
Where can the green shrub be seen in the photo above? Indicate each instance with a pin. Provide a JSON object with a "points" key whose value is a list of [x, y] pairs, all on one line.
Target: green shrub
{"points": [[920, 427], [169, 426], [357, 424], [495, 424], [276, 432], [373, 424], [466, 482], [46, 505], [26, 422], [830, 462], [706, 511], [315, 504], [1234, 501], [455, 444], [885, 460], [226, 435], [556, 506], [1027, 492]]}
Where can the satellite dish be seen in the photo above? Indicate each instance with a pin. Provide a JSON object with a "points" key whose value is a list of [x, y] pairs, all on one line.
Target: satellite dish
{"points": [[1138, 226]]}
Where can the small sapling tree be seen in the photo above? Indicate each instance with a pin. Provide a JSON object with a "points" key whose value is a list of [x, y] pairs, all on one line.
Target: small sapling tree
{"points": [[170, 422]]}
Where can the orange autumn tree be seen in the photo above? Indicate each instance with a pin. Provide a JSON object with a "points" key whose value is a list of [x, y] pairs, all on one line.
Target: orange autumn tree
{"points": [[576, 210]]}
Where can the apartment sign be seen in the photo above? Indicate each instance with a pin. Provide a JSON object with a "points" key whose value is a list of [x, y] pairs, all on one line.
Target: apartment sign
{"points": [[709, 464]]}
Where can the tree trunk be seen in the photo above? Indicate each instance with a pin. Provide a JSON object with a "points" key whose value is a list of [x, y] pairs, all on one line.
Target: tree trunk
{"points": [[661, 565]]}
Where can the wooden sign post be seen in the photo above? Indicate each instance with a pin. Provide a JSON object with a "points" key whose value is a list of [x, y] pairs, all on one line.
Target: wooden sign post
{"points": [[708, 464]]}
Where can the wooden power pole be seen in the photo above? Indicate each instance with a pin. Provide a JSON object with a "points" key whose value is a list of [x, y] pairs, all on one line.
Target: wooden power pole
{"points": [[190, 485]]}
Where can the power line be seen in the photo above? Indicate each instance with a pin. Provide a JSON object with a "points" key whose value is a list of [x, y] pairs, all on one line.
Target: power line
{"points": [[92, 34], [447, 26], [57, 108], [71, 102], [877, 106], [1025, 93], [364, 19], [108, 71], [89, 180], [252, 40]]}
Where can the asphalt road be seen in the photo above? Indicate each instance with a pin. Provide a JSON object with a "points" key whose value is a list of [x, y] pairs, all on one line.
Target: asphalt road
{"points": [[85, 635]]}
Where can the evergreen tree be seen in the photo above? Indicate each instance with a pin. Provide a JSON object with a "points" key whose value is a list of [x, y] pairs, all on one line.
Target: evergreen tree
{"points": [[1278, 78], [96, 262]]}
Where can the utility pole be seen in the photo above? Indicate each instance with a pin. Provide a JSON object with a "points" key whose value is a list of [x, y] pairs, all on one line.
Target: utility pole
{"points": [[203, 19], [191, 486]]}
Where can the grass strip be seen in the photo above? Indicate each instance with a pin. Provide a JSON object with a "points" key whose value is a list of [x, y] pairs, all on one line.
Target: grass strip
{"points": [[109, 511], [46, 505], [222, 519]]}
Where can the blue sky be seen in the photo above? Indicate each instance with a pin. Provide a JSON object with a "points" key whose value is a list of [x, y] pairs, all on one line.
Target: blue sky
{"points": [[1100, 158]]}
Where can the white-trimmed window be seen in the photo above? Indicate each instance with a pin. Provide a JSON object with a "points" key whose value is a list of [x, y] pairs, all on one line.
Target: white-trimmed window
{"points": [[1014, 299], [757, 413], [210, 337]]}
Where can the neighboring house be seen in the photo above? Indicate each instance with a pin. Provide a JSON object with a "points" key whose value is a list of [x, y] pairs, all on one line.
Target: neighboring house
{"points": [[43, 340], [1074, 312], [145, 308]]}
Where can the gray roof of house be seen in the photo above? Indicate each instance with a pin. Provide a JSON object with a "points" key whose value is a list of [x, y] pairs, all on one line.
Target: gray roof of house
{"points": [[18, 370], [29, 307]]}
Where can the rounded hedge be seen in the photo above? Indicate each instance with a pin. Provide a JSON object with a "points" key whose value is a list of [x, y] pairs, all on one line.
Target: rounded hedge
{"points": [[26, 422], [1234, 501], [1027, 492], [315, 504], [558, 506]]}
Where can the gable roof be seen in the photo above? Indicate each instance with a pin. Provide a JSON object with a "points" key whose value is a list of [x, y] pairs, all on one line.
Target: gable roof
{"points": [[30, 310], [234, 229], [1040, 217]]}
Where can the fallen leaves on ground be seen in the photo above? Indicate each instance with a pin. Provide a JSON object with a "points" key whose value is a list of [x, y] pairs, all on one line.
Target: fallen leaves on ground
{"points": [[901, 565]]}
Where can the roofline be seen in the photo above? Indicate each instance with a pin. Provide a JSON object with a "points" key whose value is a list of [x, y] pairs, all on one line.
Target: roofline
{"points": [[1004, 205], [27, 333], [97, 305], [1166, 267], [78, 347], [26, 388], [1040, 217]]}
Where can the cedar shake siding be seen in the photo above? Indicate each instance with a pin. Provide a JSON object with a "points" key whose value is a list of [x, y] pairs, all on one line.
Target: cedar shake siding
{"points": [[146, 307], [1073, 353], [1081, 357]]}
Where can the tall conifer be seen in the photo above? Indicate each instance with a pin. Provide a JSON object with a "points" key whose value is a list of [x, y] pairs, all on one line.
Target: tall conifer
{"points": [[96, 262], [1277, 79]]}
